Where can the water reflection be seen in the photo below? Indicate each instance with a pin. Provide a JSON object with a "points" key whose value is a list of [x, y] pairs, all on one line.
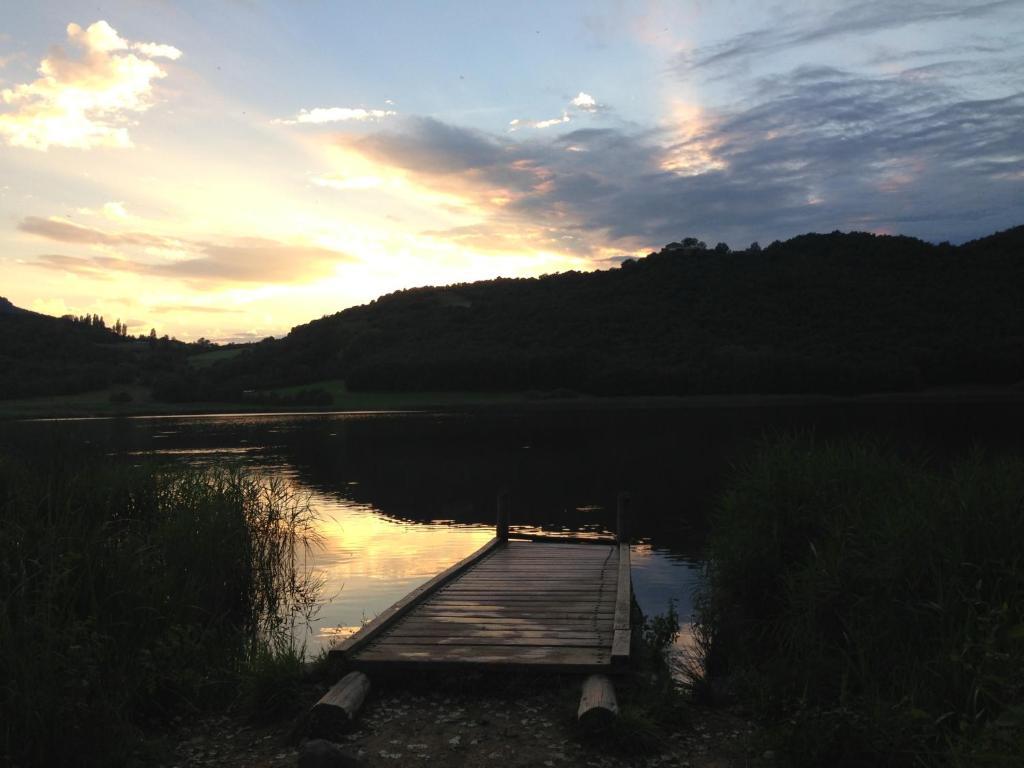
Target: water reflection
{"points": [[402, 496], [369, 561]]}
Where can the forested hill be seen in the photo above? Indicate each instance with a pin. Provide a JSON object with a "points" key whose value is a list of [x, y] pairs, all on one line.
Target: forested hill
{"points": [[818, 313], [42, 355]]}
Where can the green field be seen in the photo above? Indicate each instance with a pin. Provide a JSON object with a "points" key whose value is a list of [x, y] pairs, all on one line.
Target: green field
{"points": [[98, 403], [206, 359]]}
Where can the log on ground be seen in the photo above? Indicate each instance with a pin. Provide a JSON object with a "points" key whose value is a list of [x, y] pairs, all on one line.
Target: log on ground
{"points": [[334, 714], [598, 706]]}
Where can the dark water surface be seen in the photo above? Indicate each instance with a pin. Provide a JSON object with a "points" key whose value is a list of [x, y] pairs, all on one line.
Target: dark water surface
{"points": [[403, 495]]}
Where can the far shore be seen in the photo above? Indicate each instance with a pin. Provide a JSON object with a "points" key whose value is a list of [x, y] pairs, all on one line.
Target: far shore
{"points": [[98, 404]]}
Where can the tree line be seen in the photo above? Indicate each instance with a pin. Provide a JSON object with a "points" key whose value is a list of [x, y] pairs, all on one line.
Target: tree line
{"points": [[822, 313], [819, 313]]}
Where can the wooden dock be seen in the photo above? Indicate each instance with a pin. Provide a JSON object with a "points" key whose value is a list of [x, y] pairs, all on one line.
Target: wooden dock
{"points": [[543, 602]]}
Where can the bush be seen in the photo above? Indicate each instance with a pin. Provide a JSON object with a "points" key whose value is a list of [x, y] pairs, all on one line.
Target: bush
{"points": [[130, 594], [874, 602]]}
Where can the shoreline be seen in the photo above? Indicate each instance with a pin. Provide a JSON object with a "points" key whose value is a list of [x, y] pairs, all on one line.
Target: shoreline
{"points": [[93, 406]]}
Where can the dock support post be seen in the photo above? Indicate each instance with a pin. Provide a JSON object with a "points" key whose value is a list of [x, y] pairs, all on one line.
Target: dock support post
{"points": [[504, 505], [598, 706], [622, 519]]}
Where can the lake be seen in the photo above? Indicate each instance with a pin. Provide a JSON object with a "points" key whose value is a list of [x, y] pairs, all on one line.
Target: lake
{"points": [[400, 496]]}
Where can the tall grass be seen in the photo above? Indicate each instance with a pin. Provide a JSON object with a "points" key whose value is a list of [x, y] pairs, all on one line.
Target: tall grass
{"points": [[871, 604], [129, 595]]}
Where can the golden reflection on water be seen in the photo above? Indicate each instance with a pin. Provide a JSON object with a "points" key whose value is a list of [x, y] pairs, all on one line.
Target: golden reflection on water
{"points": [[369, 561]]}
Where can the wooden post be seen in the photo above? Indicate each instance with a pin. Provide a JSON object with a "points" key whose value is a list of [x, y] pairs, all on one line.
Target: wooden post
{"points": [[622, 519], [335, 712], [598, 706], [504, 505]]}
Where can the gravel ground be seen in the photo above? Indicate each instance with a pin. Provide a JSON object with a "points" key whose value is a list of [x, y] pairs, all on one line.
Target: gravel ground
{"points": [[424, 723]]}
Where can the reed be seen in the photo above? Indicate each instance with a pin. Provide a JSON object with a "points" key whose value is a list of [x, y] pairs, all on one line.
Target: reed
{"points": [[871, 603], [129, 595]]}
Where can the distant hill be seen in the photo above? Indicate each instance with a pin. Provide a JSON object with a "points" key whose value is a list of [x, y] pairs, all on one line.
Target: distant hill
{"points": [[6, 308], [42, 355], [832, 313]]}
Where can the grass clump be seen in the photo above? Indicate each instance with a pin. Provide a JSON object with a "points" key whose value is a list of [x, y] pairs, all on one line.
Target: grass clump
{"points": [[129, 595], [871, 604]]}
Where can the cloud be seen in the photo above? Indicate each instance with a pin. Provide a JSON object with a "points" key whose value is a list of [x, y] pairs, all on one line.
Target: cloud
{"points": [[200, 308], [321, 115], [861, 18], [103, 38], [818, 149], [66, 232], [582, 102], [515, 125], [426, 145], [257, 260], [115, 210], [85, 101], [234, 260]]}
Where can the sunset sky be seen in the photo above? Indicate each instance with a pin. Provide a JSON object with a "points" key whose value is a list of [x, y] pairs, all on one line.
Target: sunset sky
{"points": [[231, 169]]}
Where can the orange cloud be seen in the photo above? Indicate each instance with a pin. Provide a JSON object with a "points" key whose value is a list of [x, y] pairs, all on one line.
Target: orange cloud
{"points": [[233, 261], [85, 101]]}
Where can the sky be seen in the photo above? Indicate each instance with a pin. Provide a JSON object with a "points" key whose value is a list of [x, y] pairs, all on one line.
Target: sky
{"points": [[231, 169]]}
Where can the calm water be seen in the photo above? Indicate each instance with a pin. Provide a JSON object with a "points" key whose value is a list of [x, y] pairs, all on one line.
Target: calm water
{"points": [[402, 496]]}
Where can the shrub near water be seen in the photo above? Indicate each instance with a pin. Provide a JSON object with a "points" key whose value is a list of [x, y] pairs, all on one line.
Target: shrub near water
{"points": [[872, 604], [128, 595]]}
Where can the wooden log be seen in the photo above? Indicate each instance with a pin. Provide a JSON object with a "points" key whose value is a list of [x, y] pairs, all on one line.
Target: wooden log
{"points": [[598, 706], [504, 505], [334, 714]]}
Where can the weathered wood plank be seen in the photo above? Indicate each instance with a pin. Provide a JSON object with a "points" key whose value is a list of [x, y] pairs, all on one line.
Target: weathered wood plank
{"points": [[499, 611], [555, 553], [556, 539], [567, 557], [623, 604], [594, 587], [552, 642], [601, 624], [550, 612], [533, 574], [407, 603], [521, 599], [500, 634], [521, 609], [532, 577], [486, 654], [595, 584], [538, 617], [598, 609], [541, 574], [623, 592], [608, 594], [563, 556], [621, 639], [540, 601]]}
